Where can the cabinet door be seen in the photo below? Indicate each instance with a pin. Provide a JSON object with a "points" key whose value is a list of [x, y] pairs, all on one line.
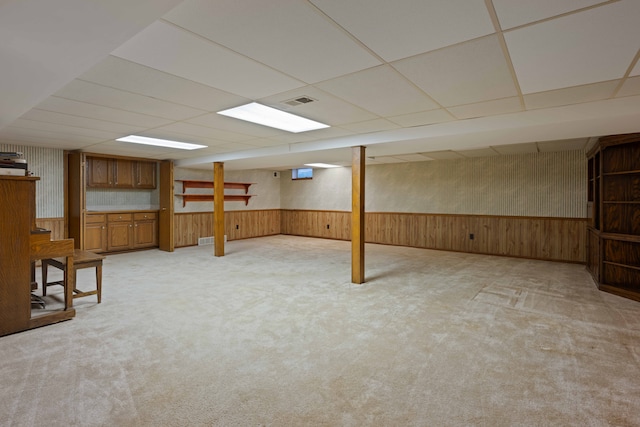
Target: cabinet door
{"points": [[95, 233], [145, 234], [99, 172], [124, 173], [146, 174], [119, 236]]}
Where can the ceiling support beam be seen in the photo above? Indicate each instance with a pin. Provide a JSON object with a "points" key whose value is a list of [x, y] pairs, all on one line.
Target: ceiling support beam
{"points": [[357, 214], [218, 208]]}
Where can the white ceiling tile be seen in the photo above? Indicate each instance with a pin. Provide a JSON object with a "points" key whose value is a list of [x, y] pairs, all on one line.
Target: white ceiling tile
{"points": [[468, 73], [229, 124], [572, 95], [92, 93], [389, 159], [487, 108], [98, 112], [326, 109], [129, 149], [512, 13], [423, 118], [128, 76], [630, 87], [47, 44], [563, 145], [480, 152], [292, 36], [402, 28], [264, 142], [525, 148], [368, 126], [380, 90], [587, 47], [176, 51], [25, 137], [443, 155], [413, 158], [636, 70], [77, 121], [203, 131], [62, 138], [236, 146], [64, 129]]}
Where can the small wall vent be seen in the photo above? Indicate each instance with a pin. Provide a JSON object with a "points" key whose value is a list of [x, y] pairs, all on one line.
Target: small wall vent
{"points": [[299, 100]]}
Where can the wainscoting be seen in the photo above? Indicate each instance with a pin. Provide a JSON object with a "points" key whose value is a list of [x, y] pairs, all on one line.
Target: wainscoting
{"points": [[556, 239], [56, 225], [190, 226]]}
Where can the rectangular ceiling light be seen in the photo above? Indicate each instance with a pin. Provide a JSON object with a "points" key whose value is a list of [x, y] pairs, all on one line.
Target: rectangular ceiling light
{"points": [[267, 116], [321, 165], [160, 142]]}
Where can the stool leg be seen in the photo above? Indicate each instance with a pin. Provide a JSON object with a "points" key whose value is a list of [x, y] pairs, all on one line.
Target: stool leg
{"points": [[99, 281], [45, 267]]}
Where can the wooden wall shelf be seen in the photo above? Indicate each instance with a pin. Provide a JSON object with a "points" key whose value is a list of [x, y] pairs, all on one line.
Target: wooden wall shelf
{"points": [[209, 198], [195, 183]]}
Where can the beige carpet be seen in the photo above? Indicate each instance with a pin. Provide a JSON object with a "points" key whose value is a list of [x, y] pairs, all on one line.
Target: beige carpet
{"points": [[275, 334]]}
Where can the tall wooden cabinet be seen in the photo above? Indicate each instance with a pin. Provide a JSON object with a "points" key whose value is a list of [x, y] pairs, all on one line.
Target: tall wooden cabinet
{"points": [[22, 244], [613, 234]]}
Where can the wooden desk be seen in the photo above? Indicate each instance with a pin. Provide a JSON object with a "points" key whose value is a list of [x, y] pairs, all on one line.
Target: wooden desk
{"points": [[81, 259]]}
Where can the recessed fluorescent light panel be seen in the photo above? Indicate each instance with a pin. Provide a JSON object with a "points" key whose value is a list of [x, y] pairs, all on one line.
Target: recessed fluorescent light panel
{"points": [[160, 142], [321, 165], [267, 116]]}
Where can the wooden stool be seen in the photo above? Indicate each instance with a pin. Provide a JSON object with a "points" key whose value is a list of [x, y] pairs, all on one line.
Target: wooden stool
{"points": [[81, 259]]}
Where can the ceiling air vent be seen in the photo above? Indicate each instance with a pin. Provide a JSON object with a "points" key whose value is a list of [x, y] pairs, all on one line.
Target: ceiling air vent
{"points": [[300, 100]]}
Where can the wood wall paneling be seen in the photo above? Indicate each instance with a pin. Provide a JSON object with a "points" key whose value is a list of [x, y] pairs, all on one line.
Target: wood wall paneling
{"points": [[56, 225], [558, 239], [190, 226]]}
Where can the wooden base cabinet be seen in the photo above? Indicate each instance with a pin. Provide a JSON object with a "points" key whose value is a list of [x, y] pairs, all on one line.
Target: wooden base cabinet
{"points": [[145, 230], [120, 231], [613, 241], [95, 233]]}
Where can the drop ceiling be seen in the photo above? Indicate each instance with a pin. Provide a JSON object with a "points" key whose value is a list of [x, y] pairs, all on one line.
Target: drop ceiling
{"points": [[410, 80]]}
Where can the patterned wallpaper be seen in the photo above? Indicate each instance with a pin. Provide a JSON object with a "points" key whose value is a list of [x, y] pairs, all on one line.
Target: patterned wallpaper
{"points": [[48, 164], [539, 184]]}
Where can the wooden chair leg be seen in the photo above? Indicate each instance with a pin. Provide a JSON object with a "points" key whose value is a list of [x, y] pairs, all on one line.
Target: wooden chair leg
{"points": [[99, 281], [45, 268]]}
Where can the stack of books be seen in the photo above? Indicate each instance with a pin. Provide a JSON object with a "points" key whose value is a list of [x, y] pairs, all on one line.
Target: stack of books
{"points": [[12, 163]]}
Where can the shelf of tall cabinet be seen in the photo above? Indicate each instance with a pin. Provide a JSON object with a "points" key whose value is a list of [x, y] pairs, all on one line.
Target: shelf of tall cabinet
{"points": [[613, 240]]}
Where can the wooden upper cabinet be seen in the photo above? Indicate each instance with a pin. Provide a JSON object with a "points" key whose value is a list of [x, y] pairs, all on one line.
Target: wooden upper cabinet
{"points": [[99, 172], [103, 172], [145, 174], [124, 172]]}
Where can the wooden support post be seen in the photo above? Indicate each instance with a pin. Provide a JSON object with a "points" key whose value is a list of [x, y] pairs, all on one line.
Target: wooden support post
{"points": [[357, 214], [218, 208]]}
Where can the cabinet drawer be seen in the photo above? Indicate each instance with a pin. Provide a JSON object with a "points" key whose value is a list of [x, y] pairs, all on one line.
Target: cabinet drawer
{"points": [[120, 217], [140, 216], [95, 218]]}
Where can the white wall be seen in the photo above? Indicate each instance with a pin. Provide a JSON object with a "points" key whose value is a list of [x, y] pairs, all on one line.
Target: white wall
{"points": [[540, 184]]}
